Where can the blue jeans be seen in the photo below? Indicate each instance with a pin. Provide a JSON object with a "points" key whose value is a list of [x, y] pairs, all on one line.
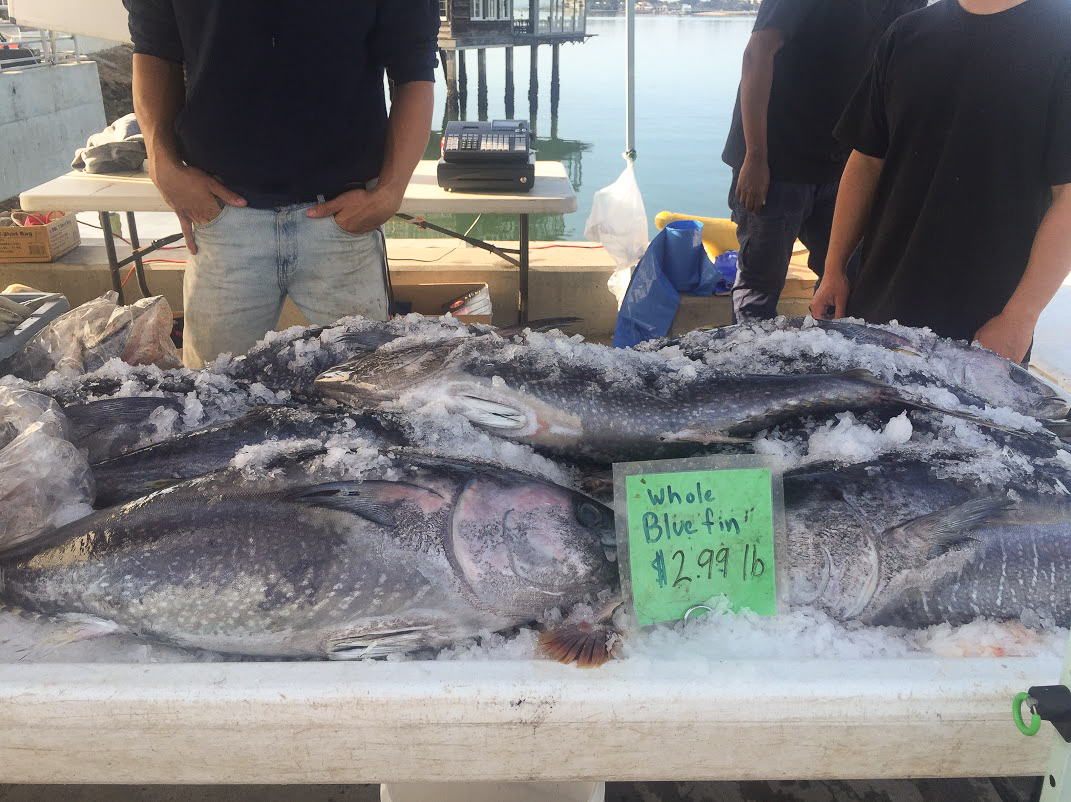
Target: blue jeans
{"points": [[792, 211], [249, 260]]}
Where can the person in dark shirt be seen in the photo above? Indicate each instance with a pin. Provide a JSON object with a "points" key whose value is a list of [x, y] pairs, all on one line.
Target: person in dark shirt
{"points": [[277, 152], [958, 180], [801, 65]]}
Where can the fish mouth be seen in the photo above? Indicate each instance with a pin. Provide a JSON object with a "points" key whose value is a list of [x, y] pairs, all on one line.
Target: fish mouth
{"points": [[493, 415]]}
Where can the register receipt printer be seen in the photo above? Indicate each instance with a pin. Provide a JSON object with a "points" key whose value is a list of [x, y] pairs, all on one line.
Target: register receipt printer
{"points": [[487, 157]]}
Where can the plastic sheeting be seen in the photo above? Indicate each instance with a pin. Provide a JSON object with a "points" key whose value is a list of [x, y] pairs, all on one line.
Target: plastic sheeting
{"points": [[675, 262], [45, 481], [89, 335]]}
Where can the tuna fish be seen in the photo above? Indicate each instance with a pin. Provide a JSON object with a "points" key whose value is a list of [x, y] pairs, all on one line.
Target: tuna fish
{"points": [[142, 471], [593, 402], [293, 359], [894, 543], [898, 355], [416, 553]]}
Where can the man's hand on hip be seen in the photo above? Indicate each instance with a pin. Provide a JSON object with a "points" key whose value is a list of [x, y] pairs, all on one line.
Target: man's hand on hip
{"points": [[359, 210], [194, 195]]}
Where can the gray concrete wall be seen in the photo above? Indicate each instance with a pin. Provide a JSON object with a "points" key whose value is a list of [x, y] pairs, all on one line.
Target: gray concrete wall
{"points": [[46, 114]]}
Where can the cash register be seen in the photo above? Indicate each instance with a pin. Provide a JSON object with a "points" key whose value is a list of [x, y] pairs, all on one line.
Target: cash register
{"points": [[486, 156]]}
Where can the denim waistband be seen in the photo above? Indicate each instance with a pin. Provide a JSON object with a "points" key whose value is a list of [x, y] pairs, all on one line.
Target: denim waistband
{"points": [[274, 200]]}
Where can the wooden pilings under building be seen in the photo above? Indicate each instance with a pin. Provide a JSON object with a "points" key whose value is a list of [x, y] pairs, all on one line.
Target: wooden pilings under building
{"points": [[480, 24]]}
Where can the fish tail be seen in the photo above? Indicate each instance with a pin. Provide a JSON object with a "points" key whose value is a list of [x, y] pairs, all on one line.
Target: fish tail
{"points": [[589, 644]]}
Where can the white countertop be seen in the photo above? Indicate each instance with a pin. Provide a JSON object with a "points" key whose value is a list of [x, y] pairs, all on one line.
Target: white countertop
{"points": [[518, 720], [76, 191]]}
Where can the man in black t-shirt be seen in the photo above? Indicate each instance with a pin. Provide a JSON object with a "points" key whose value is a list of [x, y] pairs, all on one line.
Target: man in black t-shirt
{"points": [[281, 159], [802, 63], [958, 184]]}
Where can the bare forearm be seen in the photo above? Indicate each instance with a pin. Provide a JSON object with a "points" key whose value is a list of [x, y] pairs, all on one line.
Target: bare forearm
{"points": [[1050, 262], [408, 130], [756, 81], [159, 94], [855, 197]]}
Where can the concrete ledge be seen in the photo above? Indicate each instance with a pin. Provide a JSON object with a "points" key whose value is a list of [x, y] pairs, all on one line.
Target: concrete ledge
{"points": [[566, 279]]}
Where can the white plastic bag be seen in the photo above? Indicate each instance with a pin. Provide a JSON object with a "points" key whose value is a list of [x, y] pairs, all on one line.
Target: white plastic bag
{"points": [[45, 481], [618, 220]]}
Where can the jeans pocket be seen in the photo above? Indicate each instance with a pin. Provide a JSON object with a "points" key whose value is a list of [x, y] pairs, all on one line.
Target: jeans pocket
{"points": [[214, 220], [334, 222]]}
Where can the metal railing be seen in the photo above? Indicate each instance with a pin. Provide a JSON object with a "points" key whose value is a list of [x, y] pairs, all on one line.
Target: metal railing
{"points": [[36, 48]]}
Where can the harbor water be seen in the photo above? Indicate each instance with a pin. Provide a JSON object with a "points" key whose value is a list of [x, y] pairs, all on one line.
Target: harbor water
{"points": [[687, 71]]}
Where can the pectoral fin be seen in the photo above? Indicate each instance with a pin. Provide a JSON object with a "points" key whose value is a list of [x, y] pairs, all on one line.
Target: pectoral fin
{"points": [[379, 643]]}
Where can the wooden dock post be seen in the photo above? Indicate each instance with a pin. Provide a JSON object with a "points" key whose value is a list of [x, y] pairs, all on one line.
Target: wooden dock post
{"points": [[481, 83], [555, 83], [509, 83], [462, 82], [533, 87], [448, 58]]}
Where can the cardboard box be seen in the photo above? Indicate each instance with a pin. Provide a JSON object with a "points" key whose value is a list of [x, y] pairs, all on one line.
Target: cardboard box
{"points": [[39, 243], [432, 300]]}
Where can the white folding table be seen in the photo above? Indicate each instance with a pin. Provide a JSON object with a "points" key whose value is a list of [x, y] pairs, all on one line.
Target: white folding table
{"points": [[551, 193]]}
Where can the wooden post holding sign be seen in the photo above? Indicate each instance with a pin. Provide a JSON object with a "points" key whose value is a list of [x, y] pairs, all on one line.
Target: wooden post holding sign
{"points": [[693, 530]]}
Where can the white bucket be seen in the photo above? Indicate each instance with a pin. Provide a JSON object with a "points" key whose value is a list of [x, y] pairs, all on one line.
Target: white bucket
{"points": [[493, 792]]}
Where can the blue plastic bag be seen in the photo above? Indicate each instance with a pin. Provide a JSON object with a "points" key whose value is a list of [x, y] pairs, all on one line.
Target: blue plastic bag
{"points": [[675, 262]]}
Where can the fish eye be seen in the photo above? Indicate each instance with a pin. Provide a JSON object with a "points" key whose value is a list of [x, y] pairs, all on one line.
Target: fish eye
{"points": [[588, 514]]}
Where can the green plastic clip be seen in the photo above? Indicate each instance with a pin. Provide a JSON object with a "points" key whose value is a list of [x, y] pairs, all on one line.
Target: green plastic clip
{"points": [[1017, 714]]}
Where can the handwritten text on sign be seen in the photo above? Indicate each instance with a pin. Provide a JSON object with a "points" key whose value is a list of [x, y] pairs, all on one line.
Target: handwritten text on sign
{"points": [[695, 535]]}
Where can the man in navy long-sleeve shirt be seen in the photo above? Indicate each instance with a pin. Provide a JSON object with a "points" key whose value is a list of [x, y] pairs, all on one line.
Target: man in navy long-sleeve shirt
{"points": [[277, 151]]}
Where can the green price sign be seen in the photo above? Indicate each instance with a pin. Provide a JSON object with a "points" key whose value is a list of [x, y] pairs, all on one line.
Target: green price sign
{"points": [[693, 535]]}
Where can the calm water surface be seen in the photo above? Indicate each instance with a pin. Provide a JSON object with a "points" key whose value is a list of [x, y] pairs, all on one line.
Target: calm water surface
{"points": [[687, 71]]}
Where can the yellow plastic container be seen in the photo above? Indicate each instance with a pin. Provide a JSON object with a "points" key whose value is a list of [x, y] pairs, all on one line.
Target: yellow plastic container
{"points": [[719, 233]]}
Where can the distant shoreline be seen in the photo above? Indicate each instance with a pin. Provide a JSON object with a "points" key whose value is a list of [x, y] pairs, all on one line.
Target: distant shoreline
{"points": [[593, 14]]}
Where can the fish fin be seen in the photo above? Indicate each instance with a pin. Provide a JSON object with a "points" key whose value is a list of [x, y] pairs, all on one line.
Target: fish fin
{"points": [[372, 499], [967, 416], [358, 498], [117, 411], [82, 626], [950, 527], [1060, 428], [379, 643], [587, 644], [490, 413], [367, 340]]}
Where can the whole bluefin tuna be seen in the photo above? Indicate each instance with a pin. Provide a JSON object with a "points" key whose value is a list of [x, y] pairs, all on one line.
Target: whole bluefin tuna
{"points": [[292, 360], [594, 402], [899, 355], [897, 542], [418, 553]]}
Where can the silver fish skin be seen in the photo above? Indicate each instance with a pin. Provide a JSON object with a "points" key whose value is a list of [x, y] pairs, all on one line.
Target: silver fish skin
{"points": [[421, 553], [140, 472], [893, 543], [634, 409], [292, 360], [897, 354]]}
